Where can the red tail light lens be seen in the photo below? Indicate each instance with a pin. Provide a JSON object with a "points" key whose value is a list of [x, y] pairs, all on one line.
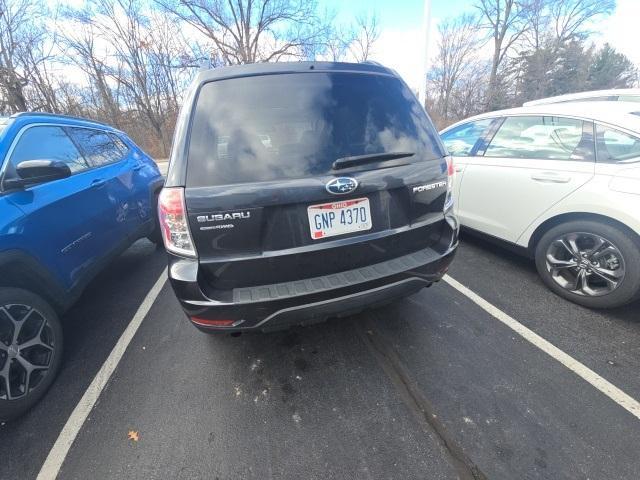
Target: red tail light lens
{"points": [[448, 203], [174, 223], [450, 168], [205, 322]]}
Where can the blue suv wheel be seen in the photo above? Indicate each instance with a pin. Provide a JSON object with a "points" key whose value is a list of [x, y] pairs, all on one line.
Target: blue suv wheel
{"points": [[30, 350]]}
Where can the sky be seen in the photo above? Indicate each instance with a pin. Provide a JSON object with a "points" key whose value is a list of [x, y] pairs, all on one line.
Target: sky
{"points": [[401, 29]]}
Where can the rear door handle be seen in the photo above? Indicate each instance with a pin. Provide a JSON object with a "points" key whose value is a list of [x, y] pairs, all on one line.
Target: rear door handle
{"points": [[550, 177], [137, 167], [98, 183]]}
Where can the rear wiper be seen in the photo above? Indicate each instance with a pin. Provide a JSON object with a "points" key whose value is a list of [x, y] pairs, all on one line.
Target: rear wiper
{"points": [[345, 162]]}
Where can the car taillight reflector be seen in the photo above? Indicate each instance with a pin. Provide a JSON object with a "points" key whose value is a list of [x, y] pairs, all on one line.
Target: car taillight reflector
{"points": [[450, 167], [205, 322], [448, 203], [174, 223]]}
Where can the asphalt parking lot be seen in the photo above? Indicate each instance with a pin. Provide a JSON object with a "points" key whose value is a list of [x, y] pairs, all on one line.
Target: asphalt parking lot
{"points": [[429, 387]]}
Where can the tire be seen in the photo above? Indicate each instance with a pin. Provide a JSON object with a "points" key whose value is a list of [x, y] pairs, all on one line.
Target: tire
{"points": [[36, 320], [606, 275], [155, 236]]}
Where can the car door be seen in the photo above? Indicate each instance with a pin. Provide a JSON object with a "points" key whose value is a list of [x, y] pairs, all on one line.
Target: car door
{"points": [[618, 165], [145, 176], [462, 142], [117, 174], [66, 221], [530, 164]]}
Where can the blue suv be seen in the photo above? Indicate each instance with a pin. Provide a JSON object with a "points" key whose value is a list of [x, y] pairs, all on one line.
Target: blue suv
{"points": [[73, 194]]}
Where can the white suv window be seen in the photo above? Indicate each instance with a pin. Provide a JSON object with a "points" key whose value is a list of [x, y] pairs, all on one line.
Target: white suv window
{"points": [[461, 139], [616, 146], [545, 138]]}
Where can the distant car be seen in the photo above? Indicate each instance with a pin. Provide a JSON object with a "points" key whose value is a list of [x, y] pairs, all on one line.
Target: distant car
{"points": [[73, 194], [302, 191], [561, 181], [614, 95]]}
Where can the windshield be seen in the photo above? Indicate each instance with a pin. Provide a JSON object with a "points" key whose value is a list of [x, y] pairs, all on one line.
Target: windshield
{"points": [[296, 125]]}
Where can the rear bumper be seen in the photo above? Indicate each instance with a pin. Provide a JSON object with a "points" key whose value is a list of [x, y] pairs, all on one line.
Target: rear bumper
{"points": [[309, 300]]}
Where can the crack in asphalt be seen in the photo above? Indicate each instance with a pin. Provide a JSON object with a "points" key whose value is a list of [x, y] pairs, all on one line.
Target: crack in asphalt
{"points": [[415, 400]]}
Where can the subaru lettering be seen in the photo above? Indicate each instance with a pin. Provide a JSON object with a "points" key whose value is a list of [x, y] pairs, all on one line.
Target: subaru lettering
{"points": [[219, 217]]}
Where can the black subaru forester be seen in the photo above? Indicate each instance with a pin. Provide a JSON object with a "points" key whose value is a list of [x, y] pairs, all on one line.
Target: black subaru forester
{"points": [[302, 191]]}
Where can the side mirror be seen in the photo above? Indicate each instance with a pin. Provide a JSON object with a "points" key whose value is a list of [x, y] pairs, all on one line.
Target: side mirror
{"points": [[33, 172]]}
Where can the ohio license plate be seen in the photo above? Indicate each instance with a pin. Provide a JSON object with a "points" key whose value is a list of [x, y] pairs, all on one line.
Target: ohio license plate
{"points": [[339, 218]]}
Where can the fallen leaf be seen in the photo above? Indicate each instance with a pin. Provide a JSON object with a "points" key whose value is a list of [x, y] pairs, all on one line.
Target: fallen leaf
{"points": [[133, 435]]}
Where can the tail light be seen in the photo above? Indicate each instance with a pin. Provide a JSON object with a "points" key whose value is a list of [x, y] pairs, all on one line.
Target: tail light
{"points": [[174, 223], [205, 322], [448, 203]]}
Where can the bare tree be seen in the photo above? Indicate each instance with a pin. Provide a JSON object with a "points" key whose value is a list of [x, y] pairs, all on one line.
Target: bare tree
{"points": [[38, 63], [570, 17], [560, 21], [348, 42], [456, 51], [28, 62], [249, 31], [468, 96], [138, 54], [507, 21], [550, 56], [79, 44], [539, 21], [335, 46], [21, 37], [456, 64], [366, 32]]}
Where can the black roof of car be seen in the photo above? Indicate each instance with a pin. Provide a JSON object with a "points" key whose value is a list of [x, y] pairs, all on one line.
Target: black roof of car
{"points": [[290, 67]]}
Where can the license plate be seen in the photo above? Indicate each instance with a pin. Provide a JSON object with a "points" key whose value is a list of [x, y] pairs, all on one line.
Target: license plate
{"points": [[339, 218]]}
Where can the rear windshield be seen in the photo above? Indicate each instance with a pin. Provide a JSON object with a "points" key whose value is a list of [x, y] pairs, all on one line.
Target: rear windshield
{"points": [[296, 125]]}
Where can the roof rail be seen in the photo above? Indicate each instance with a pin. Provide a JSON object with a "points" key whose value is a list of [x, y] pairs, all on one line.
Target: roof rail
{"points": [[372, 62], [57, 115]]}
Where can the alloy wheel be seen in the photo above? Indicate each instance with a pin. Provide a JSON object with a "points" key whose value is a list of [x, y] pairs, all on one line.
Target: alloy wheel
{"points": [[585, 264], [27, 346]]}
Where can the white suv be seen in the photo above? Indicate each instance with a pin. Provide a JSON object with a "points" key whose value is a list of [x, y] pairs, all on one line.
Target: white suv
{"points": [[563, 182]]}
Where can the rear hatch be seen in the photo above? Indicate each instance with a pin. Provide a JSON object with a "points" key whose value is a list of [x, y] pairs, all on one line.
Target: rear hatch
{"points": [[298, 175]]}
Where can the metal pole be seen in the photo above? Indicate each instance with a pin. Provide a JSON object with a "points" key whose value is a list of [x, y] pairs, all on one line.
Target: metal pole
{"points": [[424, 51]]}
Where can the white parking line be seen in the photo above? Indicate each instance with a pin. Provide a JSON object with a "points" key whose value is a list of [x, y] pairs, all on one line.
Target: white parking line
{"points": [[610, 390], [60, 449]]}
